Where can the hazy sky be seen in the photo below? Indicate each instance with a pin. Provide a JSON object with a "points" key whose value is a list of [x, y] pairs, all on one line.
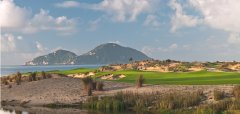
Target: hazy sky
{"points": [[190, 30]]}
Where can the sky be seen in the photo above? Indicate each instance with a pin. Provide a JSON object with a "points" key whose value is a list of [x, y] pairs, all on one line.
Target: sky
{"points": [[186, 30]]}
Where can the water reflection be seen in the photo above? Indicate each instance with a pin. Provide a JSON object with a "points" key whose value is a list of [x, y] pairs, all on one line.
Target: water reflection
{"points": [[43, 110]]}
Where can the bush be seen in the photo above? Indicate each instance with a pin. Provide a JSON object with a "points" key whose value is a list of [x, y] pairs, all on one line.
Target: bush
{"points": [[236, 92], [4, 81], [43, 75], [178, 100], [18, 78], [140, 81], [94, 84], [88, 85], [99, 86], [89, 89], [32, 76], [218, 95]]}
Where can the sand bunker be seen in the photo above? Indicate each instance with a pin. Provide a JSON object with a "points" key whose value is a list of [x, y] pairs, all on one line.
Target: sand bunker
{"points": [[112, 77], [82, 75]]}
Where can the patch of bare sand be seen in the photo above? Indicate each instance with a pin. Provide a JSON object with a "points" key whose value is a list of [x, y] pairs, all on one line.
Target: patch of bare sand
{"points": [[68, 90], [112, 77], [64, 90], [81, 75], [235, 67]]}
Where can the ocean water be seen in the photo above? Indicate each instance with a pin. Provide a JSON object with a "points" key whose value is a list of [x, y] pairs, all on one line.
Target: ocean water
{"points": [[10, 69]]}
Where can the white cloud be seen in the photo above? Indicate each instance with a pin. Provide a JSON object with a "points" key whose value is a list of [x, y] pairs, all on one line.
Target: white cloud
{"points": [[11, 15], [173, 46], [148, 50], [8, 43], [15, 18], [234, 38], [16, 51], [68, 4], [123, 10], [44, 21], [180, 19], [40, 47], [116, 42], [220, 14], [151, 20], [19, 37], [151, 50]]}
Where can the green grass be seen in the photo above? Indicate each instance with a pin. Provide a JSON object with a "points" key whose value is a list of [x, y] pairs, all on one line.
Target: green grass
{"points": [[180, 78], [73, 71], [173, 78]]}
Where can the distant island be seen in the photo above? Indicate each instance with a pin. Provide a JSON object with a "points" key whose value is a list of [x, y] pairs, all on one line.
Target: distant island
{"points": [[109, 53]]}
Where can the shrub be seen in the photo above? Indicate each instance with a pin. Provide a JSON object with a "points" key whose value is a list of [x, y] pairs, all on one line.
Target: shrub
{"points": [[180, 100], [236, 92], [18, 78], [32, 77], [140, 81], [89, 89], [87, 81], [218, 95], [10, 79], [43, 75], [4, 81], [143, 101], [94, 84], [99, 86]]}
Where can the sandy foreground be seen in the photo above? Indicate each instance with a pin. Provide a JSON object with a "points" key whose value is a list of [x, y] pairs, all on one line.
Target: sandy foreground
{"points": [[67, 90]]}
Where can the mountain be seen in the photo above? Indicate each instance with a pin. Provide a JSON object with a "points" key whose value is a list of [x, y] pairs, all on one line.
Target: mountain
{"points": [[109, 53], [55, 58]]}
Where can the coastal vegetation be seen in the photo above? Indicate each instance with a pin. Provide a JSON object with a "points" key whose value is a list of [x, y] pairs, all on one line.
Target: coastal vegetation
{"points": [[96, 85], [170, 103], [140, 81], [218, 95], [90, 84], [18, 78]]}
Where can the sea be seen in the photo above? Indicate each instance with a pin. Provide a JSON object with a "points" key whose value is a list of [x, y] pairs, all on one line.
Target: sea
{"points": [[11, 69]]}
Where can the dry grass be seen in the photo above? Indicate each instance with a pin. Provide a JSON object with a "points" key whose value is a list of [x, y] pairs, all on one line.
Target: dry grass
{"points": [[89, 89], [87, 81], [144, 101], [43, 75], [32, 76], [18, 78], [218, 95], [99, 86], [139, 81], [236, 92]]}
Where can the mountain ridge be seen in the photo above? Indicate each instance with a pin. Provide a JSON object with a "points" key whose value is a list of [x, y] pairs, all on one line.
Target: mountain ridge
{"points": [[108, 53]]}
